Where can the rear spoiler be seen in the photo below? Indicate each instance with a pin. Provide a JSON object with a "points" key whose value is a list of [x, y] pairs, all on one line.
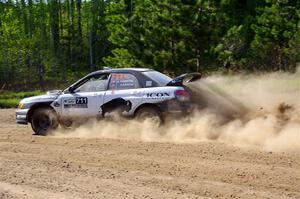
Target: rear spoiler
{"points": [[188, 77]]}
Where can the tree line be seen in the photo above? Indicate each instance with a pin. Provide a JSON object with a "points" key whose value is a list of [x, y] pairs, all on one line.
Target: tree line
{"points": [[55, 41]]}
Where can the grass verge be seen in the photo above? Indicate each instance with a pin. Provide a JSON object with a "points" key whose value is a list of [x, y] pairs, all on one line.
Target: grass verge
{"points": [[10, 99]]}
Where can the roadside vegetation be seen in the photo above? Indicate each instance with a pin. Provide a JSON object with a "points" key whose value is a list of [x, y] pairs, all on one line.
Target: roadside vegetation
{"points": [[52, 42], [12, 99]]}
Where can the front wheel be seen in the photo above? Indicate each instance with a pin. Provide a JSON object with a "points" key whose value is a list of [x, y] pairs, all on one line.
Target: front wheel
{"points": [[43, 121], [65, 123]]}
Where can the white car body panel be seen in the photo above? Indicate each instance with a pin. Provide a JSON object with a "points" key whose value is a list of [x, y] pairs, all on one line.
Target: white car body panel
{"points": [[95, 100], [129, 88], [135, 96], [69, 107]]}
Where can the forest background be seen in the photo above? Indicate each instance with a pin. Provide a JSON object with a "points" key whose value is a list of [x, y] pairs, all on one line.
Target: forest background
{"points": [[51, 43]]}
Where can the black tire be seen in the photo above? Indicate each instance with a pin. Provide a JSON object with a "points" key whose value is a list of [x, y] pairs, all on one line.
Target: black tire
{"points": [[43, 121], [152, 113]]}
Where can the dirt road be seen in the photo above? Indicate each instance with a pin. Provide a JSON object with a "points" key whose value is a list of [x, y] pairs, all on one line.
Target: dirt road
{"points": [[51, 167]]}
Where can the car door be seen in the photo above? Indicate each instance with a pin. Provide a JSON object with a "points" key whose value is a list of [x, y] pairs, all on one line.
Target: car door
{"points": [[86, 98], [124, 92]]}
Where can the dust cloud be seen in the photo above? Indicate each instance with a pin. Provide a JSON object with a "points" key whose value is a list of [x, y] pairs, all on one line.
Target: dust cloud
{"points": [[270, 115]]}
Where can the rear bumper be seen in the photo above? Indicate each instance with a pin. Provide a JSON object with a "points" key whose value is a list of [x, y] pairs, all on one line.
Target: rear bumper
{"points": [[21, 116], [174, 107]]}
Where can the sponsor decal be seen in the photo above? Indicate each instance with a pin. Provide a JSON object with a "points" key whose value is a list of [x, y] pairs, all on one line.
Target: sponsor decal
{"points": [[76, 102], [117, 104], [157, 95], [125, 83], [121, 81], [148, 83], [118, 76]]}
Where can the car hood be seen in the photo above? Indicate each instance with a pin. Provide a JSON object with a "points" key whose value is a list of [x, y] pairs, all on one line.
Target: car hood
{"points": [[50, 96]]}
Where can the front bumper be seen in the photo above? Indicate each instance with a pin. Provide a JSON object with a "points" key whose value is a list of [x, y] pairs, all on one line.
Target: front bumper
{"points": [[21, 116]]}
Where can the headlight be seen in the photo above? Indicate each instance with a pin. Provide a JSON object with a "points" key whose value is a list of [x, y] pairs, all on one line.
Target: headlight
{"points": [[23, 106]]}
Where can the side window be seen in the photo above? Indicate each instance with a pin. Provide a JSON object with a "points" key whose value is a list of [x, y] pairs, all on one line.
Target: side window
{"points": [[121, 81], [94, 84]]}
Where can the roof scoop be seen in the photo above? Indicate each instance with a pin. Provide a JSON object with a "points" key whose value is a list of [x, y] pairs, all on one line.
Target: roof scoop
{"points": [[54, 92]]}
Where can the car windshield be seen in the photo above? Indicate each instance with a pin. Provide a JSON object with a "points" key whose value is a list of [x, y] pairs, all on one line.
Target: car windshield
{"points": [[158, 77]]}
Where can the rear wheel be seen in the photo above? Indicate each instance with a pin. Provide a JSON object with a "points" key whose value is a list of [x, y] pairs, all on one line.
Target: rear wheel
{"points": [[150, 113], [43, 121]]}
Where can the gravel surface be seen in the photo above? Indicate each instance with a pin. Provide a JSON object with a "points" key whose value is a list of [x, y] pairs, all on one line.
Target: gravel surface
{"points": [[51, 167]]}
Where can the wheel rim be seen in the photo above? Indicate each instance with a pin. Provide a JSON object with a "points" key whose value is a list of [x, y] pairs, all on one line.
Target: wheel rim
{"points": [[42, 123], [153, 118]]}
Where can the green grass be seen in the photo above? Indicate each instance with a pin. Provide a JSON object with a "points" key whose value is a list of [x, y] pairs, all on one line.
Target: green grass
{"points": [[19, 95], [12, 99], [9, 103]]}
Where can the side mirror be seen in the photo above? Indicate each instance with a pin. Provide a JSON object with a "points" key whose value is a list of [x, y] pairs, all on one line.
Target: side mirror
{"points": [[71, 90]]}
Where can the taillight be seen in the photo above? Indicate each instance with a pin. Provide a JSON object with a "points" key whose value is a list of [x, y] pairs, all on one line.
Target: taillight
{"points": [[182, 95]]}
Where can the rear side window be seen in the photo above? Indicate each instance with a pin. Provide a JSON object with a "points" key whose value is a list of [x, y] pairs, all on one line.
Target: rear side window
{"points": [[158, 77], [121, 81]]}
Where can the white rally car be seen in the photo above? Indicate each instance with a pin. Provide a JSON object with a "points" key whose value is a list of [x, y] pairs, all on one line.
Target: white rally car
{"points": [[133, 92]]}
